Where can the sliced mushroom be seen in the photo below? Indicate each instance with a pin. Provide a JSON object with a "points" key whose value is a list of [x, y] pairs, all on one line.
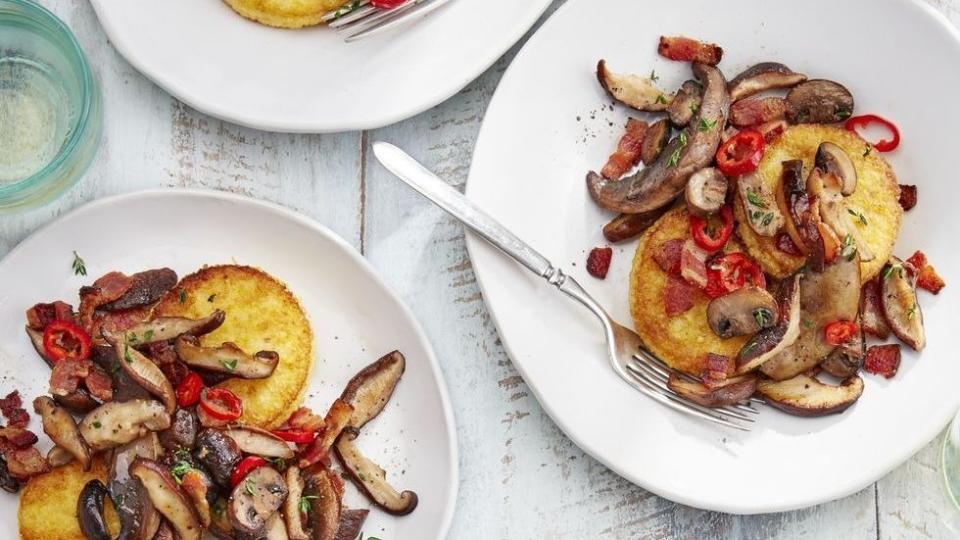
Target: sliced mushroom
{"points": [[124, 387], [197, 485], [685, 103], [36, 339], [801, 211], [763, 76], [58, 457], [167, 497], [139, 520], [60, 426], [274, 529], [804, 395], [255, 499], [831, 158], [182, 433], [825, 186], [115, 423], [898, 298], [90, 511], [657, 185], [706, 192], [760, 206], [654, 141], [819, 101], [167, 328], [632, 90], [325, 503], [218, 453], [742, 312], [227, 358], [253, 440], [291, 506], [732, 391], [165, 532], [846, 360], [142, 370], [770, 342], [7, 482], [871, 311], [369, 390], [627, 226], [145, 288], [351, 521], [371, 478], [757, 111], [338, 418], [825, 297]]}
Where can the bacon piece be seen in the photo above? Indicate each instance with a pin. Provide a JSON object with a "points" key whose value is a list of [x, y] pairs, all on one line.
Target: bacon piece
{"points": [[678, 296], [18, 437], [715, 370], [598, 262], [40, 315], [627, 154], [105, 289], [99, 383], [304, 419], [772, 130], [12, 408], [161, 352], [22, 463], [883, 360], [685, 49], [117, 322], [667, 256], [755, 111], [66, 376], [693, 263], [871, 314], [786, 245], [908, 196], [175, 372], [927, 277]]}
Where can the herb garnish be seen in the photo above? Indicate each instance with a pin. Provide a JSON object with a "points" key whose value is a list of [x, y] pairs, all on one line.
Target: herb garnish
{"points": [[694, 107], [211, 297], [249, 485], [179, 469], [706, 125], [182, 454], [653, 75], [912, 312], [79, 267], [661, 99], [675, 156], [126, 354], [849, 250], [279, 463], [346, 9], [97, 424], [182, 294], [230, 365], [867, 150], [755, 199], [761, 317], [807, 323], [858, 215], [890, 268], [305, 503]]}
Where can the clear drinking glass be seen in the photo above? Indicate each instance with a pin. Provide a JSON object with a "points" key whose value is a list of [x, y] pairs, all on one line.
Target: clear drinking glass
{"points": [[50, 106], [950, 462]]}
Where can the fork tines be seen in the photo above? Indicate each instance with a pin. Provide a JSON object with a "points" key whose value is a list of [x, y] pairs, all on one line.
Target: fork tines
{"points": [[359, 19], [653, 373]]}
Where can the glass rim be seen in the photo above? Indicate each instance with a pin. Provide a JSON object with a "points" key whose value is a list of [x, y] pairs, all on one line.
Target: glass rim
{"points": [[88, 90]]}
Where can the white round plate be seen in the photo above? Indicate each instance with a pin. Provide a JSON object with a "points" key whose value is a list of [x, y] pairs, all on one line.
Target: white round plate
{"points": [[355, 320], [309, 80], [549, 123]]}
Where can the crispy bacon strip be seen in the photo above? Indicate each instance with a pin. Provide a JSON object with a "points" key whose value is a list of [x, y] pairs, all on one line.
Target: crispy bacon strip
{"points": [[667, 256], [908, 196], [678, 296], [693, 263], [685, 49], [883, 360], [12, 408], [756, 111], [927, 277], [715, 370], [40, 315], [627, 154]]}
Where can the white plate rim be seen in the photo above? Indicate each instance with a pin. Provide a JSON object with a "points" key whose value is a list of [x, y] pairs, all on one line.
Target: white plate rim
{"points": [[473, 241], [442, 93], [348, 250]]}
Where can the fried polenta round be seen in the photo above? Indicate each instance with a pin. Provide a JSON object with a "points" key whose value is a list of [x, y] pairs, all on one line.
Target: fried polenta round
{"points": [[285, 13], [261, 314], [682, 341], [48, 504], [876, 197]]}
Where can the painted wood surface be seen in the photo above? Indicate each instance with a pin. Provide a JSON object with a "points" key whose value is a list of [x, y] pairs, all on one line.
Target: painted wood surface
{"points": [[520, 476]]}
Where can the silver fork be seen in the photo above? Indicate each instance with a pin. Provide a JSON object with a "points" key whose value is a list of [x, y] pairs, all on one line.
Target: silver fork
{"points": [[358, 19], [628, 358]]}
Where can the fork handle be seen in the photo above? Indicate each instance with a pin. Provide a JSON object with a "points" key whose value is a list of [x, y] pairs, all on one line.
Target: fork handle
{"points": [[457, 205]]}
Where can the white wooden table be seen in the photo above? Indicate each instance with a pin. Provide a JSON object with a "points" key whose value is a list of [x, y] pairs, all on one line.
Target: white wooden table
{"points": [[520, 476]]}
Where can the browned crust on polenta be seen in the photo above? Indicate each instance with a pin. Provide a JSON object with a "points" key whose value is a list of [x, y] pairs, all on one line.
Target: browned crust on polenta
{"points": [[261, 314], [684, 340], [48, 504]]}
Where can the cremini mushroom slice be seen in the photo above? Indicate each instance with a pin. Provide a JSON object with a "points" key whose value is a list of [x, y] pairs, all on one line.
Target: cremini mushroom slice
{"points": [[804, 395], [742, 312], [760, 206], [142, 370], [654, 141], [833, 210], [275, 529], [371, 478], [627, 226], [830, 158], [369, 390], [118, 422], [819, 101], [167, 328], [90, 511], [291, 506], [218, 453], [62, 429], [633, 91], [706, 192], [898, 298], [167, 497], [732, 391], [761, 77], [197, 484], [846, 360], [685, 104], [58, 457], [227, 358], [771, 341], [337, 419], [351, 521], [139, 520], [255, 499], [323, 493], [253, 440]]}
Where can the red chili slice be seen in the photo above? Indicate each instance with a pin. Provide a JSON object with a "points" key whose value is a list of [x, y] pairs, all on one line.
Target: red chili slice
{"points": [[245, 467], [865, 120], [839, 332], [188, 391], [730, 272], [386, 4], [221, 403], [296, 436], [741, 153], [65, 340], [706, 240]]}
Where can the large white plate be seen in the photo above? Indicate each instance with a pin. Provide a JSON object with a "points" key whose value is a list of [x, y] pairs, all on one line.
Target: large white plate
{"points": [[309, 80], [355, 319], [549, 122]]}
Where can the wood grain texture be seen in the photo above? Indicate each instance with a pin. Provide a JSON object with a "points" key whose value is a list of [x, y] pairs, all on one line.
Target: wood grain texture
{"points": [[520, 476]]}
